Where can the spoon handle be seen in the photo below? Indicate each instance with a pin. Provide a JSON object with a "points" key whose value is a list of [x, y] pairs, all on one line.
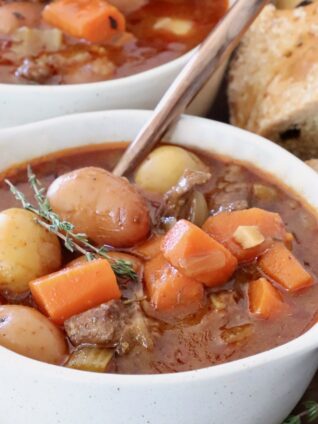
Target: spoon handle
{"points": [[207, 59]]}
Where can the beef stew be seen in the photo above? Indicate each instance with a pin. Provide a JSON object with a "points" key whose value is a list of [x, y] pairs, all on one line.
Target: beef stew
{"points": [[168, 273]]}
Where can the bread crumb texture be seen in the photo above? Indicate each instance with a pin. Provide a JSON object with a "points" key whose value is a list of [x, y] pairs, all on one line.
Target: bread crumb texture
{"points": [[273, 79]]}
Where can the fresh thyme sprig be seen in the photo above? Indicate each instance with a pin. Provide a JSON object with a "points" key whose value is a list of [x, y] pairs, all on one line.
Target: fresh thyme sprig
{"points": [[65, 230], [310, 414]]}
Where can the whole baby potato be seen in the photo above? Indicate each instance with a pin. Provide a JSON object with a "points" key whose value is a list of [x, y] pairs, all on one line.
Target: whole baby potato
{"points": [[164, 166], [26, 331], [108, 209], [27, 250]]}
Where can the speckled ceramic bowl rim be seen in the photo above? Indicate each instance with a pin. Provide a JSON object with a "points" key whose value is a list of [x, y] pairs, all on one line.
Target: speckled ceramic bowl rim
{"points": [[258, 146], [150, 74]]}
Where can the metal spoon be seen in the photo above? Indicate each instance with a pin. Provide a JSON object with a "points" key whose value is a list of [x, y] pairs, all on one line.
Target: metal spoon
{"points": [[212, 53]]}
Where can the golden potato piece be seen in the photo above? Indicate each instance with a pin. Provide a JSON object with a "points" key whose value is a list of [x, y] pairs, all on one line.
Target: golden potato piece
{"points": [[108, 209], [164, 166], [27, 250], [26, 331]]}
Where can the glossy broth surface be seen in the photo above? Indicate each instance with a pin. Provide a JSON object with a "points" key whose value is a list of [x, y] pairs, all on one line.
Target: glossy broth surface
{"points": [[210, 336]]}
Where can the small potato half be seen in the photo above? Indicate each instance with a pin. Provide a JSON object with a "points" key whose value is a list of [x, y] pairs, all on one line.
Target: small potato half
{"points": [[108, 209], [26, 331], [163, 168], [27, 250]]}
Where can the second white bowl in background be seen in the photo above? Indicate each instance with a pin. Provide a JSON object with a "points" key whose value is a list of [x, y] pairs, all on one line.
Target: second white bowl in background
{"points": [[21, 104]]}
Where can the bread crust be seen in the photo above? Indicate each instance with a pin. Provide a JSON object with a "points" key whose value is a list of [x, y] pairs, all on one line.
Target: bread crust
{"points": [[273, 79]]}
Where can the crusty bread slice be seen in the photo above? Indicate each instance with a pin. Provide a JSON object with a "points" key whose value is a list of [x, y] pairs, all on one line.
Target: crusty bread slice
{"points": [[273, 79]]}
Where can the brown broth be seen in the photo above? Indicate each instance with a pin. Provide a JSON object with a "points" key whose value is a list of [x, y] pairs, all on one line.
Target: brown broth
{"points": [[146, 49], [200, 341]]}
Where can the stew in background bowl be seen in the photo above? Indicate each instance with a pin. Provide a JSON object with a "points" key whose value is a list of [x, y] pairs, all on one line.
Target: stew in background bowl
{"points": [[81, 41]]}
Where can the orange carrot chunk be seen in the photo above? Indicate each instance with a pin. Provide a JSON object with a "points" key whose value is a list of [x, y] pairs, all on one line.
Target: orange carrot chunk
{"points": [[150, 248], [168, 289], [223, 227], [282, 266], [75, 289], [264, 300], [197, 255], [94, 20]]}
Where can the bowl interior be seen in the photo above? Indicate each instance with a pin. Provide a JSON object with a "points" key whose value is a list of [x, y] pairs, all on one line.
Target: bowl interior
{"points": [[33, 140]]}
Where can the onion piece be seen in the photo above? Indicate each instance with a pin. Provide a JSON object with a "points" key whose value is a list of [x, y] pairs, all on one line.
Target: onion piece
{"points": [[248, 236], [237, 334], [221, 300], [174, 25], [32, 41], [89, 358], [264, 192]]}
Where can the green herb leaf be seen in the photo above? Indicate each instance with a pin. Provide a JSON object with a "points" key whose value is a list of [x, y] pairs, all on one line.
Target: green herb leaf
{"points": [[310, 413], [103, 249], [312, 410], [90, 256], [124, 269], [69, 244], [293, 419]]}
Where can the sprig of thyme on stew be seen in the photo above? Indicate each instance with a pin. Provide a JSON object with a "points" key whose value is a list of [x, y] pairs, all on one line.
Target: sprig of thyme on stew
{"points": [[310, 414], [65, 230]]}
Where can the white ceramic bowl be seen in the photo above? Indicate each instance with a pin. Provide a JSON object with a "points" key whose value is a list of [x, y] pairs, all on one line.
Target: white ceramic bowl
{"points": [[21, 104], [260, 389]]}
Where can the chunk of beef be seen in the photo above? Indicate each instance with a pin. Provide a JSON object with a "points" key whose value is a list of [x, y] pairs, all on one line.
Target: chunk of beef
{"points": [[178, 200], [138, 329], [99, 325], [176, 195], [233, 192], [113, 325], [233, 197]]}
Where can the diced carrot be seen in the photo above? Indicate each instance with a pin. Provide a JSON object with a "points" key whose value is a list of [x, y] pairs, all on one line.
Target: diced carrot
{"points": [[94, 20], [168, 289], [150, 248], [264, 300], [197, 255], [224, 225], [282, 266], [75, 289]]}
